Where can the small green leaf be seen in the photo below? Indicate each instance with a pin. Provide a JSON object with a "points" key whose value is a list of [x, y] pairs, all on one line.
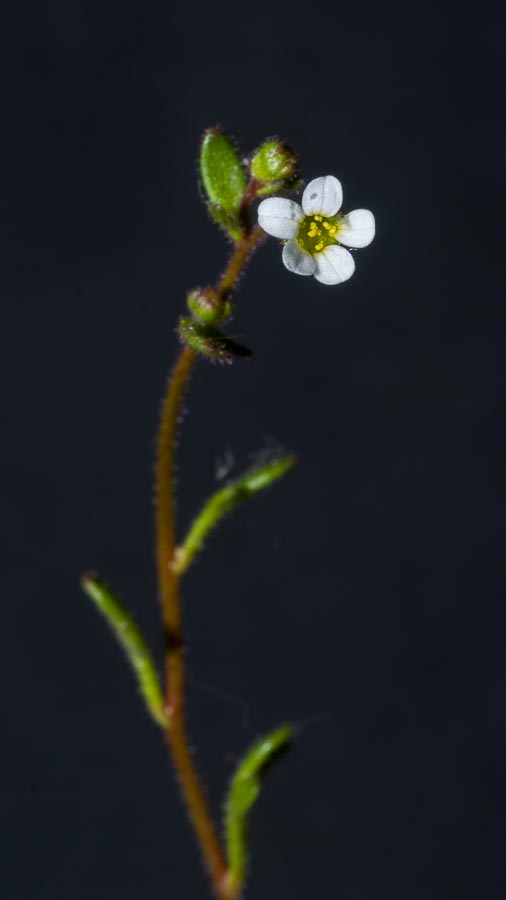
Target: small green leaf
{"points": [[133, 643], [223, 179], [229, 222], [224, 501], [209, 342], [244, 791]]}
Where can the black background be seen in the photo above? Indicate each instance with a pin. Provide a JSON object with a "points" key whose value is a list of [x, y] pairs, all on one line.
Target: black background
{"points": [[364, 596]]}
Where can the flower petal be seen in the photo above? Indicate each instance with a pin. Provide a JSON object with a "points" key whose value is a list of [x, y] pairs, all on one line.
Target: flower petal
{"points": [[334, 265], [358, 228], [322, 196], [298, 260], [280, 217]]}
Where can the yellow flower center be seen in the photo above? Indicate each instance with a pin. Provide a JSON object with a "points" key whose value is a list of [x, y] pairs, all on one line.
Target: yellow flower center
{"points": [[317, 232]]}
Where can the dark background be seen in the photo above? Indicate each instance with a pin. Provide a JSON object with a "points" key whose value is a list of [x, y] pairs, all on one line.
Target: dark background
{"points": [[364, 596]]}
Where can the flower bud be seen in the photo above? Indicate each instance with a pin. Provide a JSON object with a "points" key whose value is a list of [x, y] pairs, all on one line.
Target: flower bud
{"points": [[206, 306], [274, 161]]}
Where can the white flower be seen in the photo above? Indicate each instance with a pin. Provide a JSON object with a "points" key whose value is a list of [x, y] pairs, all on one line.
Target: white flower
{"points": [[315, 231]]}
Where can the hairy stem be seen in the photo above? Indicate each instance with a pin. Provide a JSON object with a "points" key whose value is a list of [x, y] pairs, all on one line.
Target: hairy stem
{"points": [[170, 598], [238, 260], [165, 536]]}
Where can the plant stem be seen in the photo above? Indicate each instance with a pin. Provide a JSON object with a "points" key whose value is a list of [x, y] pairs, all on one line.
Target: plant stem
{"points": [[170, 598], [165, 536], [238, 260]]}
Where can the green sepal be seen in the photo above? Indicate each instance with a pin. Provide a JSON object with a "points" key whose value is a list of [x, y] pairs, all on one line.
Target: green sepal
{"points": [[243, 792], [224, 501], [209, 342], [223, 179], [133, 643], [276, 187]]}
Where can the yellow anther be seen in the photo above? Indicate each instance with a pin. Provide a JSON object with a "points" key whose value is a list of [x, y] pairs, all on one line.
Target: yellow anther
{"points": [[317, 232]]}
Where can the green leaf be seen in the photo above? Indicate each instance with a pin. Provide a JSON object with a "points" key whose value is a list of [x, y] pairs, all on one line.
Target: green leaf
{"points": [[224, 180], [224, 501], [133, 644], [209, 341], [244, 791], [229, 222]]}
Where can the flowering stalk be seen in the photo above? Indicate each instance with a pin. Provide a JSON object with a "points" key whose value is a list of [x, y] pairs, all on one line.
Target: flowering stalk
{"points": [[313, 234], [169, 579]]}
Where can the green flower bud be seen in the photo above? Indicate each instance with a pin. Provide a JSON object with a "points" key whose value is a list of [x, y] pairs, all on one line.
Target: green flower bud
{"points": [[206, 306], [274, 161]]}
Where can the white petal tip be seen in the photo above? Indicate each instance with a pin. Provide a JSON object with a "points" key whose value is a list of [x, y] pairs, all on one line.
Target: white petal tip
{"points": [[323, 196], [334, 265], [297, 260], [279, 217], [358, 228]]}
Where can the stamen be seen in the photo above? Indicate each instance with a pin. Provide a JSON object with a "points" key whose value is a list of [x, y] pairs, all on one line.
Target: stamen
{"points": [[317, 232]]}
